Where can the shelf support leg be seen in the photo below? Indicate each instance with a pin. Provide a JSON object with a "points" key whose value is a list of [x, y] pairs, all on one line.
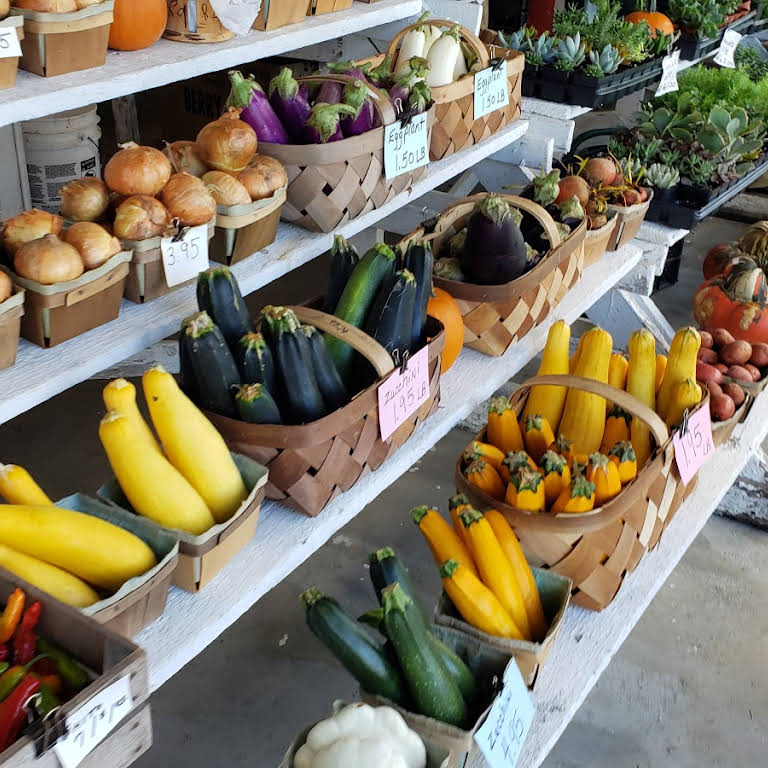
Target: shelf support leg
{"points": [[126, 119]]}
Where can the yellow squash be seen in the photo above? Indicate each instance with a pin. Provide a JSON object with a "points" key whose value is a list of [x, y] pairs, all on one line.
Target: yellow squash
{"points": [[681, 365], [513, 461], [503, 430], [617, 427], [456, 505], [687, 396], [623, 456], [641, 383], [605, 476], [525, 490], [537, 436], [661, 367], [155, 488], [549, 401], [97, 551], [557, 475], [578, 498], [617, 371], [574, 359], [485, 478], [490, 453], [120, 396], [193, 445], [443, 541], [17, 486]]}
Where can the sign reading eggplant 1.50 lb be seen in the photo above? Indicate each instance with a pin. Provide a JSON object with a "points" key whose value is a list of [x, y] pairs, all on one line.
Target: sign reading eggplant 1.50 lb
{"points": [[491, 90], [403, 393], [185, 256], [405, 146]]}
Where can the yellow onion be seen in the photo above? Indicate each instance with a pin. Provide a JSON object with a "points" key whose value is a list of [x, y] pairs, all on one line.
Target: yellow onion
{"points": [[187, 199], [87, 3], [84, 199], [28, 226], [6, 286], [47, 6], [226, 189], [94, 244], [253, 180], [136, 170], [227, 144], [185, 158], [48, 260], [5, 9], [139, 217], [271, 169]]}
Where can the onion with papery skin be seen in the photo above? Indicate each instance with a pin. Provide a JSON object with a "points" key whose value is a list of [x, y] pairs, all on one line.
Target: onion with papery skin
{"points": [[139, 217], [28, 226], [48, 260], [136, 170], [6, 286], [47, 6], [187, 199], [94, 244], [87, 3], [226, 189], [271, 169], [185, 158], [84, 199], [227, 144], [5, 9], [253, 180]]}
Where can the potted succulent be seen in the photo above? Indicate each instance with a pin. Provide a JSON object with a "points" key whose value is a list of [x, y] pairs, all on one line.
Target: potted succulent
{"points": [[664, 180]]}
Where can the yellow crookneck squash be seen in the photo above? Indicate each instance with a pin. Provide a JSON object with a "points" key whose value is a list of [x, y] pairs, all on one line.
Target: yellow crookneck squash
{"points": [[605, 476], [503, 430], [557, 475]]}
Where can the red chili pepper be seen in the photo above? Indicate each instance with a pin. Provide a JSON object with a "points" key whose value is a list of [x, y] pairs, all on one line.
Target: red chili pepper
{"points": [[5, 654], [25, 640], [11, 615], [13, 713], [44, 667]]}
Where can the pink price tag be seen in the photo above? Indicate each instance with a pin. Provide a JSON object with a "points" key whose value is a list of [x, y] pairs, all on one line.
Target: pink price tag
{"points": [[694, 447], [403, 393]]}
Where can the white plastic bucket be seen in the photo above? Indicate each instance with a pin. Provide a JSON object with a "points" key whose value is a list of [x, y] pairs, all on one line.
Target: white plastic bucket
{"points": [[58, 149]]}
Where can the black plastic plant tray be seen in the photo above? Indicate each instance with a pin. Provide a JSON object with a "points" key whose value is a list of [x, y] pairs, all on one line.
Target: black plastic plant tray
{"points": [[693, 47]]}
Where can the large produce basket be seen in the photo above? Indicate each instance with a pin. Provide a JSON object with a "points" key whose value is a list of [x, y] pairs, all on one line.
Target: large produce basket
{"points": [[311, 464], [596, 241], [455, 125], [629, 219], [56, 313], [57, 43], [329, 184], [497, 315], [9, 66], [11, 311], [597, 549]]}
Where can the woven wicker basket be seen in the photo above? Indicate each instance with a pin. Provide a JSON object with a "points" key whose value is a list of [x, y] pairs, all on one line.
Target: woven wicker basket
{"points": [[597, 549], [497, 315], [311, 464], [455, 125], [329, 184]]}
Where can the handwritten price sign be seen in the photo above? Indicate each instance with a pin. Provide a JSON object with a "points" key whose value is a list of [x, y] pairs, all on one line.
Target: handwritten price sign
{"points": [[405, 146], [669, 66], [724, 56], [694, 446], [89, 725], [185, 257], [491, 90], [9, 43], [403, 393]]}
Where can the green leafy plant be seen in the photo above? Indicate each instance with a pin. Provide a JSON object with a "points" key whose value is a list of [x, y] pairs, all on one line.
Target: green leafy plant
{"points": [[618, 148], [670, 157], [662, 176], [570, 53], [750, 61], [606, 62], [542, 51], [703, 17], [698, 169]]}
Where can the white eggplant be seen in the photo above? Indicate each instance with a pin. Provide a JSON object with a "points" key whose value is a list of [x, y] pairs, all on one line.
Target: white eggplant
{"points": [[432, 35], [442, 58], [460, 69], [411, 45]]}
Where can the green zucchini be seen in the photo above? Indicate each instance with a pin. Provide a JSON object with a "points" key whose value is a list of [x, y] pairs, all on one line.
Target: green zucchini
{"points": [[363, 658], [188, 382], [344, 257], [215, 372], [385, 568], [219, 295], [391, 316], [256, 406], [254, 359], [419, 260], [434, 690], [356, 299], [331, 386]]}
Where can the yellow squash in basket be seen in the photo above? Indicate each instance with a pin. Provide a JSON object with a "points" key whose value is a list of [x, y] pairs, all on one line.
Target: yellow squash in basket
{"points": [[17, 486], [617, 427], [513, 461], [537, 435], [544, 400], [681, 365], [525, 490], [443, 541], [456, 505], [557, 475], [605, 476], [119, 395], [485, 478], [641, 383], [503, 430], [623, 456], [687, 396], [578, 498]]}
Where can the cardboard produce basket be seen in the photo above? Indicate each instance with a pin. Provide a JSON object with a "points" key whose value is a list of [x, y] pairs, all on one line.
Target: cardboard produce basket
{"points": [[193, 22], [596, 241], [242, 230], [555, 593], [629, 219], [202, 557], [495, 316], [57, 43], [110, 658], [317, 7], [11, 311], [722, 430], [56, 313], [140, 600], [10, 66], [279, 13], [597, 549], [311, 464]]}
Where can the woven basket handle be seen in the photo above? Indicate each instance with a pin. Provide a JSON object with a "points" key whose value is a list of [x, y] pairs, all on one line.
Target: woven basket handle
{"points": [[469, 37], [623, 399], [380, 98], [369, 348]]}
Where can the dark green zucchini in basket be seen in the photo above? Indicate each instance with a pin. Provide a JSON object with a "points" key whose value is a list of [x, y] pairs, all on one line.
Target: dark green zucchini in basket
{"points": [[419, 261], [344, 258], [390, 320], [255, 361], [219, 295], [329, 382], [256, 406]]}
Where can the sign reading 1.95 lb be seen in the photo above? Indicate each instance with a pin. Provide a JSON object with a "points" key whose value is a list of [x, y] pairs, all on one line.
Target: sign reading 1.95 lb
{"points": [[491, 91], [185, 255], [405, 146]]}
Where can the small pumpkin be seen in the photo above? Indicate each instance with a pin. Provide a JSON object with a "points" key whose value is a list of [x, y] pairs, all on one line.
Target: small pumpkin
{"points": [[444, 308], [714, 307], [137, 24], [716, 260], [658, 22], [746, 282]]}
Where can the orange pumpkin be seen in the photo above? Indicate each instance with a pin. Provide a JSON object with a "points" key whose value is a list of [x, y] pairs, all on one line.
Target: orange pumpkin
{"points": [[717, 260], [137, 24], [658, 22], [716, 306], [443, 307]]}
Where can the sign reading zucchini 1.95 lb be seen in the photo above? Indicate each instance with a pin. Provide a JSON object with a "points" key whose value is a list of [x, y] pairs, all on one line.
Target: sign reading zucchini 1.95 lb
{"points": [[403, 393], [185, 255], [491, 89], [406, 146], [693, 444]]}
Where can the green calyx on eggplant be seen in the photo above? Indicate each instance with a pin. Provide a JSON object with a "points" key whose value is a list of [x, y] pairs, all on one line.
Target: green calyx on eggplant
{"points": [[456, 244], [571, 212], [494, 250], [546, 188], [448, 268]]}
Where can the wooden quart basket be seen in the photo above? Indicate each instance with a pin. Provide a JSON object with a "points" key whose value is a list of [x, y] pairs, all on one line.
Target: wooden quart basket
{"points": [[11, 311], [596, 241], [496, 315], [629, 219], [193, 22], [329, 184], [311, 464], [597, 549]]}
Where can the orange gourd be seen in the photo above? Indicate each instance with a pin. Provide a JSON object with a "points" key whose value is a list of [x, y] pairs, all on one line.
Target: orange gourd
{"points": [[658, 22], [137, 24], [485, 478], [444, 307]]}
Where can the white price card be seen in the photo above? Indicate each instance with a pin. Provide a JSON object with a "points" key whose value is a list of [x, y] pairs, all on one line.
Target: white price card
{"points": [[491, 90], [9, 42], [724, 56], [186, 256], [693, 444], [403, 393], [669, 66], [88, 726], [405, 146], [502, 735]]}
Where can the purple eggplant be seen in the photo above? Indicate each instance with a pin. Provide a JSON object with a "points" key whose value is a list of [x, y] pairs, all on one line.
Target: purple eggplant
{"points": [[359, 71], [401, 90], [420, 97], [256, 109], [324, 122], [329, 93], [357, 96], [290, 102]]}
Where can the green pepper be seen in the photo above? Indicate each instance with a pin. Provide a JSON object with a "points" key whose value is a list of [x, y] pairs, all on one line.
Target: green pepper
{"points": [[10, 679], [47, 701], [75, 676]]}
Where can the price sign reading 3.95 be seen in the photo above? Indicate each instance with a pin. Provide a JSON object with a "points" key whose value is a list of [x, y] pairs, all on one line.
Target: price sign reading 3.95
{"points": [[185, 257], [491, 90], [405, 146], [403, 393], [10, 47], [694, 445]]}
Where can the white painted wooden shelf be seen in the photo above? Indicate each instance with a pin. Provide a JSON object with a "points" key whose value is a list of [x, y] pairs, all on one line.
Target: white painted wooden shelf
{"points": [[285, 538], [127, 72], [40, 374]]}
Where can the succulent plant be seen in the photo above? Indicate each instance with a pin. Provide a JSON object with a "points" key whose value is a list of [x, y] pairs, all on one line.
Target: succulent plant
{"points": [[670, 157], [662, 176], [698, 169], [571, 52], [542, 51], [514, 40], [631, 166], [604, 63], [665, 123], [645, 152]]}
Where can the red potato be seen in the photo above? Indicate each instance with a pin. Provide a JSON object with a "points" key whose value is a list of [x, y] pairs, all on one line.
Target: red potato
{"points": [[708, 373], [754, 371], [714, 389], [736, 353], [721, 407], [721, 337], [708, 356], [739, 372], [571, 186], [735, 392], [722, 367], [759, 355], [706, 339], [644, 193]]}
